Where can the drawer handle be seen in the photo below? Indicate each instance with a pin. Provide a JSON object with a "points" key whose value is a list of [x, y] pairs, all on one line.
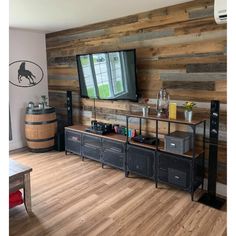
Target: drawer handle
{"points": [[115, 149], [172, 144], [74, 138], [176, 176], [91, 146]]}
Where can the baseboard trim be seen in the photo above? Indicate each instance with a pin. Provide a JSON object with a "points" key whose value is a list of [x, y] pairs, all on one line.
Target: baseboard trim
{"points": [[18, 150], [13, 145]]}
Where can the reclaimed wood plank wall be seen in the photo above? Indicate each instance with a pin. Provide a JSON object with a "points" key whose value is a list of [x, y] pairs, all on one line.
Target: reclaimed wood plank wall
{"points": [[178, 47]]}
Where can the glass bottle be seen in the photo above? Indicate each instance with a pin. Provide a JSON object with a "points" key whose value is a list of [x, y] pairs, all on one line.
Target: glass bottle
{"points": [[163, 100]]}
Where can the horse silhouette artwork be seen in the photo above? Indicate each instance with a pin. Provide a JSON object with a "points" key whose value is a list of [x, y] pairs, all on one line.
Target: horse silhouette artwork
{"points": [[22, 72]]}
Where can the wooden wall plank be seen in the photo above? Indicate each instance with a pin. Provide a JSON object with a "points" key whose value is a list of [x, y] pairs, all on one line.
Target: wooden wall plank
{"points": [[196, 14], [221, 85], [182, 49], [209, 86], [62, 71], [62, 77], [69, 60], [193, 76], [213, 67]]}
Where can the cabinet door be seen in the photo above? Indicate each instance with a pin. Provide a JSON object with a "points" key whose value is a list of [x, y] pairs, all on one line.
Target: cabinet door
{"points": [[91, 141], [113, 146], [91, 147], [174, 170], [114, 159], [113, 153], [73, 141], [140, 161]]}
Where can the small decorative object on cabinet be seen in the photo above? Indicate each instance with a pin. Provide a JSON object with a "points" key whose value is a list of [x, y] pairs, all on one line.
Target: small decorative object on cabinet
{"points": [[188, 110], [44, 100], [178, 142], [146, 110], [31, 105], [172, 110], [163, 104], [145, 107]]}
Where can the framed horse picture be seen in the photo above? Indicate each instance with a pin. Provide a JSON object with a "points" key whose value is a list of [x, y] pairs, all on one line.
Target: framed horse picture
{"points": [[25, 73]]}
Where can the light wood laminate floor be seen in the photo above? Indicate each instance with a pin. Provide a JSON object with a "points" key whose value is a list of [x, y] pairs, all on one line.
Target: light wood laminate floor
{"points": [[75, 197]]}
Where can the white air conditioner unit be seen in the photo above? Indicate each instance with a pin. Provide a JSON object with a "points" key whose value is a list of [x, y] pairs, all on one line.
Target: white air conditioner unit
{"points": [[220, 11]]}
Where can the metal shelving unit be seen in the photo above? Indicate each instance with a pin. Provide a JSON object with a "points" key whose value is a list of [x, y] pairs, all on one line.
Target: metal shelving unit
{"points": [[191, 156]]}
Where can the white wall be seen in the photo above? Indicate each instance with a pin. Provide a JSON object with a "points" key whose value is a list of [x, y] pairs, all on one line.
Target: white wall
{"points": [[31, 46]]}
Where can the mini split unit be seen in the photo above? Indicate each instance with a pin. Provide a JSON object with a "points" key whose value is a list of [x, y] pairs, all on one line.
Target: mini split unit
{"points": [[220, 11]]}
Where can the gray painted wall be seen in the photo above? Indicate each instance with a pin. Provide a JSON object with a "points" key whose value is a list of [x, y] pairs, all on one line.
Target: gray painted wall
{"points": [[25, 45]]}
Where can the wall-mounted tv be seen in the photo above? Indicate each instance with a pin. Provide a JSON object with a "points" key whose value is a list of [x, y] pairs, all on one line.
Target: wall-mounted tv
{"points": [[108, 75]]}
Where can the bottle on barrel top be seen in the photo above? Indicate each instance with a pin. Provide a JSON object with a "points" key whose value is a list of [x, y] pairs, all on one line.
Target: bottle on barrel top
{"points": [[163, 100]]}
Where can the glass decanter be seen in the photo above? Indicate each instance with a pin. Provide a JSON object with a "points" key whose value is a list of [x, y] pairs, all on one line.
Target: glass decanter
{"points": [[163, 100]]}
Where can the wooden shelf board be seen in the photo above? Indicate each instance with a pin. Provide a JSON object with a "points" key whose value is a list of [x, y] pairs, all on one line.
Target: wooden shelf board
{"points": [[153, 147], [112, 136], [177, 121]]}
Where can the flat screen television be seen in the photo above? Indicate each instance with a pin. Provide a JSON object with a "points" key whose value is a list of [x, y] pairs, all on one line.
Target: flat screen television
{"points": [[108, 75]]}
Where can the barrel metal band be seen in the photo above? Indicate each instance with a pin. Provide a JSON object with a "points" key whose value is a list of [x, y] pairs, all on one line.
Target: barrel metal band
{"points": [[40, 140], [40, 122], [38, 150], [40, 111]]}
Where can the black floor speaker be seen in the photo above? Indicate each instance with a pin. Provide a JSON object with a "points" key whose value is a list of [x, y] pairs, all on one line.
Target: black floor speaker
{"points": [[60, 135], [210, 197], [60, 141], [61, 124], [69, 108]]}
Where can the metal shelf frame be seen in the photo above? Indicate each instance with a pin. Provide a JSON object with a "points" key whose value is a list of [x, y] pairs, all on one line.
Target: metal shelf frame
{"points": [[193, 126]]}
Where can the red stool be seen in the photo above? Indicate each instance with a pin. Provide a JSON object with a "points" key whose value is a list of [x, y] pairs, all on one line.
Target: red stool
{"points": [[15, 199]]}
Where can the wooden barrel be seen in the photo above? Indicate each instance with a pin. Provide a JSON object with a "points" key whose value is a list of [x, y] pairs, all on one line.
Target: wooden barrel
{"points": [[40, 129]]}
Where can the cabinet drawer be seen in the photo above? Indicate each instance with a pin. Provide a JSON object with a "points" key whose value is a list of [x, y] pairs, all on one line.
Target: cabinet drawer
{"points": [[91, 141], [177, 177], [174, 170], [91, 152], [73, 142], [72, 136], [113, 146], [113, 159]]}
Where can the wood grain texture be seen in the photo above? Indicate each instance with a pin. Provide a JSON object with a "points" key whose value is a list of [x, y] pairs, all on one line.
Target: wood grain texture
{"points": [[210, 86], [180, 47], [75, 197], [216, 67], [193, 76]]}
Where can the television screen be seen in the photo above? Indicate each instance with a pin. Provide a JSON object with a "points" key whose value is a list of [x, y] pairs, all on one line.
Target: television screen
{"points": [[108, 75]]}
